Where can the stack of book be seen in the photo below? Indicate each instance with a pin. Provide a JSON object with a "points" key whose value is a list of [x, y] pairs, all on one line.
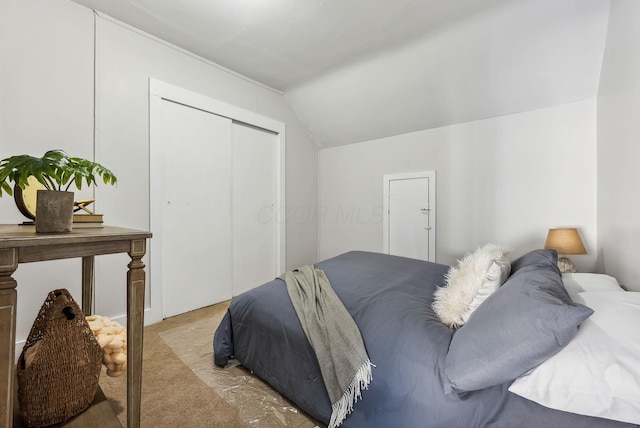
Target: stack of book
{"points": [[84, 221]]}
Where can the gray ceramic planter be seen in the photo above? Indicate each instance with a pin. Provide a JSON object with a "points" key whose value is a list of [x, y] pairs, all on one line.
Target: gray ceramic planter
{"points": [[54, 211]]}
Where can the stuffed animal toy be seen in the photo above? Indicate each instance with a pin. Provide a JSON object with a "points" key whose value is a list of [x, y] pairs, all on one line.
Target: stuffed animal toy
{"points": [[112, 338]]}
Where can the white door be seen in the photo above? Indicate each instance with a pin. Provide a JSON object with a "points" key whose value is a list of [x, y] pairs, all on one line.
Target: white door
{"points": [[254, 201], [196, 207], [409, 215]]}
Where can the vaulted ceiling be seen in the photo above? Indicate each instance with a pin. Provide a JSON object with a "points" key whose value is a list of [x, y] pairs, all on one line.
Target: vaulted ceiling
{"points": [[357, 70]]}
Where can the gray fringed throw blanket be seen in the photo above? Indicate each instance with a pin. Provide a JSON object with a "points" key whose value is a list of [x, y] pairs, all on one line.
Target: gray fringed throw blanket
{"points": [[334, 337]]}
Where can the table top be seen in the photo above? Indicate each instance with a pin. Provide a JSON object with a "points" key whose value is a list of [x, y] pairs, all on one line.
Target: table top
{"points": [[12, 235]]}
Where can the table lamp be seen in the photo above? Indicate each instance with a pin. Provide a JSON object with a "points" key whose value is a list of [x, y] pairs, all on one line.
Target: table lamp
{"points": [[565, 240]]}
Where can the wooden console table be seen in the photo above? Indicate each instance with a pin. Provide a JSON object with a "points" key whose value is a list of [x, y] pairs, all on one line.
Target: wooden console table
{"points": [[21, 244]]}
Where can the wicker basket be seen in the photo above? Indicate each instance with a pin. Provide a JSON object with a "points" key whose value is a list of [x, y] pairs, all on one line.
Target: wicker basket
{"points": [[59, 367]]}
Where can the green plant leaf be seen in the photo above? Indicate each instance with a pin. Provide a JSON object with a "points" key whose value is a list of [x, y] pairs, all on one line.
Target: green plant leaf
{"points": [[6, 187], [55, 170]]}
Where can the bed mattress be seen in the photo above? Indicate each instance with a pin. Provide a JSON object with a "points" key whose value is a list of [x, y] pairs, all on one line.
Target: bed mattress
{"points": [[389, 298]]}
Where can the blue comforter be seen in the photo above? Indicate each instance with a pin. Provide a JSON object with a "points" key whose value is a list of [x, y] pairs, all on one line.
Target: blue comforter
{"points": [[390, 299]]}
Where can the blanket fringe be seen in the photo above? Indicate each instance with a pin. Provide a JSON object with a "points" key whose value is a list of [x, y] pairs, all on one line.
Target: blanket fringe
{"points": [[341, 408]]}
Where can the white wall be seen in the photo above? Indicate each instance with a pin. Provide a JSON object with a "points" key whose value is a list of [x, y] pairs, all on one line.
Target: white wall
{"points": [[46, 87], [125, 61], [504, 180], [47, 101], [619, 148]]}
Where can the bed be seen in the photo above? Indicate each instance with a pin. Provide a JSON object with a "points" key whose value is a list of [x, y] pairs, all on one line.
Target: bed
{"points": [[417, 379]]}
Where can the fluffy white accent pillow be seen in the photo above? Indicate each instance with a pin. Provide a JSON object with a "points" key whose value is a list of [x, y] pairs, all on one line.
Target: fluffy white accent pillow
{"points": [[467, 285]]}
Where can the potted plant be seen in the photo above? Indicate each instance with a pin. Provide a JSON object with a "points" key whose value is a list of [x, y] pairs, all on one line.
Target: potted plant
{"points": [[56, 171]]}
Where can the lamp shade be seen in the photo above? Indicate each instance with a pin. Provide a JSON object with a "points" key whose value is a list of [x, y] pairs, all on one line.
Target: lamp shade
{"points": [[565, 240]]}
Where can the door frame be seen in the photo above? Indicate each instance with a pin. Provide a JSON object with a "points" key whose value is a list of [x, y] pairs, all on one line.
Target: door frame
{"points": [[159, 91], [431, 175]]}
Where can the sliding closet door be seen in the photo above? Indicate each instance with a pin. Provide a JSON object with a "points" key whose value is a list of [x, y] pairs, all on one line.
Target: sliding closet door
{"points": [[255, 246], [216, 188], [195, 147]]}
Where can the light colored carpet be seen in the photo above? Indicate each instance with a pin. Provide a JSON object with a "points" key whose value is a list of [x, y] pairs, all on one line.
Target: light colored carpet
{"points": [[182, 387], [257, 403]]}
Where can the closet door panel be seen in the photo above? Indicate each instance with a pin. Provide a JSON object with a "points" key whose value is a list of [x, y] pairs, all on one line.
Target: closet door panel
{"points": [[254, 185], [196, 208]]}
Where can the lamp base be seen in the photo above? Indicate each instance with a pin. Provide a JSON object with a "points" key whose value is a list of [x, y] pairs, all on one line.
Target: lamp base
{"points": [[566, 265]]}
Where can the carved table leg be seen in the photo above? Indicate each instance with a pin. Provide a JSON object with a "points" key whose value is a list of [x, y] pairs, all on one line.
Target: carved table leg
{"points": [[87, 285], [135, 323], [8, 299]]}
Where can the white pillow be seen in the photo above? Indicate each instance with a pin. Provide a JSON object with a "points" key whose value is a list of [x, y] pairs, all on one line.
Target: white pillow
{"points": [[598, 372], [475, 278], [578, 282]]}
